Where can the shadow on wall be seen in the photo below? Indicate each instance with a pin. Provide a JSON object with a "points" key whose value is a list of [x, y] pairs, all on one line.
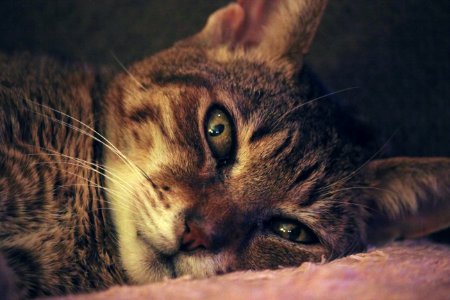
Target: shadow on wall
{"points": [[395, 52]]}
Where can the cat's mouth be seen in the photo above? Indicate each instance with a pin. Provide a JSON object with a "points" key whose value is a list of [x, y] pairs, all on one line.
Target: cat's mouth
{"points": [[163, 260], [197, 264]]}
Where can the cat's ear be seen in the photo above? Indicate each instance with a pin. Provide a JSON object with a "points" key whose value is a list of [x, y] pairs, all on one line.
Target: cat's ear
{"points": [[272, 29], [408, 197]]}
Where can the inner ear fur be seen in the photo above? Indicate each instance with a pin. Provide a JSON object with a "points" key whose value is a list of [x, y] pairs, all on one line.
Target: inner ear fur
{"points": [[271, 29], [407, 197]]}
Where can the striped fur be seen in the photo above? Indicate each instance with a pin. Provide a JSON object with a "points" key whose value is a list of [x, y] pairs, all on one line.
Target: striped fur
{"points": [[106, 182], [54, 229], [291, 154]]}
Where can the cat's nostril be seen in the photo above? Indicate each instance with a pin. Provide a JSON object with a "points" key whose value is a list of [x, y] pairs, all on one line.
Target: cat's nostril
{"points": [[194, 238]]}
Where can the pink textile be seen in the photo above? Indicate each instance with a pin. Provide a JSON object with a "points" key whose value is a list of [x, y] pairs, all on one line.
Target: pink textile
{"points": [[402, 270]]}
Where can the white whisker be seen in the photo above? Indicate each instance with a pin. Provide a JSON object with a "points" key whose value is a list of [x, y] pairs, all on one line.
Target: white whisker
{"points": [[352, 174], [91, 164], [295, 108], [86, 167], [127, 71], [106, 142], [96, 186]]}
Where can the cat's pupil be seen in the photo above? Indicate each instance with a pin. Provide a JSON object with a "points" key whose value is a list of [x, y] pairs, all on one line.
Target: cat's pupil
{"points": [[289, 231], [216, 130], [293, 231]]}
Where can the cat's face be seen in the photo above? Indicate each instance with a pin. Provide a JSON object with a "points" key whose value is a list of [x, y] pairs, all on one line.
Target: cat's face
{"points": [[231, 156], [245, 169]]}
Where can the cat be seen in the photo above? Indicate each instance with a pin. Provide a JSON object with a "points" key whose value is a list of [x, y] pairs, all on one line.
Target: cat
{"points": [[221, 153]]}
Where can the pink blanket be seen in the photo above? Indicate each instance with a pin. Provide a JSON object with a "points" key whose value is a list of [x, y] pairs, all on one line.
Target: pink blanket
{"points": [[403, 270]]}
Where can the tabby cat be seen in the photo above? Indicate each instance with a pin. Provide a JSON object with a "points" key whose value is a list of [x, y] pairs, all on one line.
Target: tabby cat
{"points": [[221, 153]]}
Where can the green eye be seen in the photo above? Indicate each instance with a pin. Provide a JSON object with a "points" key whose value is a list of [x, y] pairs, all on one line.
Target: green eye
{"points": [[219, 133], [293, 231]]}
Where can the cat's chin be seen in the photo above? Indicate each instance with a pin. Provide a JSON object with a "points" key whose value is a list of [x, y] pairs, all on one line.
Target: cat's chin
{"points": [[152, 267], [146, 266], [202, 264]]}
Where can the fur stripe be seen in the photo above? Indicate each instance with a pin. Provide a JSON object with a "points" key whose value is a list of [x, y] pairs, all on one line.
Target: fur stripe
{"points": [[195, 80], [304, 174]]}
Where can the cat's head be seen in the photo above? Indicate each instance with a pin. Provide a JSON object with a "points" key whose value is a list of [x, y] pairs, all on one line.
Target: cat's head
{"points": [[230, 155]]}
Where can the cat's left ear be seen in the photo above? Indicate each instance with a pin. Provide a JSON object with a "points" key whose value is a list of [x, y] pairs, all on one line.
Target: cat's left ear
{"points": [[407, 197], [271, 29]]}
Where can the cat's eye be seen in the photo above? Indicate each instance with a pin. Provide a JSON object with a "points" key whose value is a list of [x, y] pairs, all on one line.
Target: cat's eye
{"points": [[293, 231], [219, 133]]}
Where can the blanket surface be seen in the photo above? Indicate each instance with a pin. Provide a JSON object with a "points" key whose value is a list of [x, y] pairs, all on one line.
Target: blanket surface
{"points": [[402, 270]]}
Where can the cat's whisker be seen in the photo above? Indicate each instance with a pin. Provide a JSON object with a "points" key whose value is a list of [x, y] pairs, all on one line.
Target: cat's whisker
{"points": [[102, 209], [86, 164], [92, 184], [105, 141], [332, 193], [132, 166], [347, 204], [95, 165], [295, 108], [96, 186], [88, 168], [125, 69], [77, 129], [78, 176], [355, 172]]}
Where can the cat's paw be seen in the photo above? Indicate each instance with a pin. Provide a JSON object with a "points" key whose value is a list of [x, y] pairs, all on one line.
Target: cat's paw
{"points": [[8, 282]]}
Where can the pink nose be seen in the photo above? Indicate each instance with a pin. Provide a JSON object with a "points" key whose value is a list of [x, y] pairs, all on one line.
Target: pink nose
{"points": [[194, 237]]}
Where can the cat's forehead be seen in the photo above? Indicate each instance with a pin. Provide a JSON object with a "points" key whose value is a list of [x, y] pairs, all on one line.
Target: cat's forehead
{"points": [[216, 66], [249, 86]]}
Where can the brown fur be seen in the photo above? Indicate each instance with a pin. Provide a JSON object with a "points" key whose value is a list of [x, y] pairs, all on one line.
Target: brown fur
{"points": [[52, 217], [100, 187]]}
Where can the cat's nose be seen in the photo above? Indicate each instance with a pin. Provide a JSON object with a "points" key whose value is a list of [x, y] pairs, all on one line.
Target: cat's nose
{"points": [[194, 237]]}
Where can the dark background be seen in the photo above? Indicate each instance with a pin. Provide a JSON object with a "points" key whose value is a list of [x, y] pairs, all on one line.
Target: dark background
{"points": [[396, 52]]}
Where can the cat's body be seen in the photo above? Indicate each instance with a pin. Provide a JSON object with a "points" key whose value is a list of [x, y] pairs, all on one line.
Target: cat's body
{"points": [[54, 226], [222, 153]]}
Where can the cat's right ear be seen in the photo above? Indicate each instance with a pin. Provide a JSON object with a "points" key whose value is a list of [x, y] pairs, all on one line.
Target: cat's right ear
{"points": [[407, 197], [268, 29]]}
